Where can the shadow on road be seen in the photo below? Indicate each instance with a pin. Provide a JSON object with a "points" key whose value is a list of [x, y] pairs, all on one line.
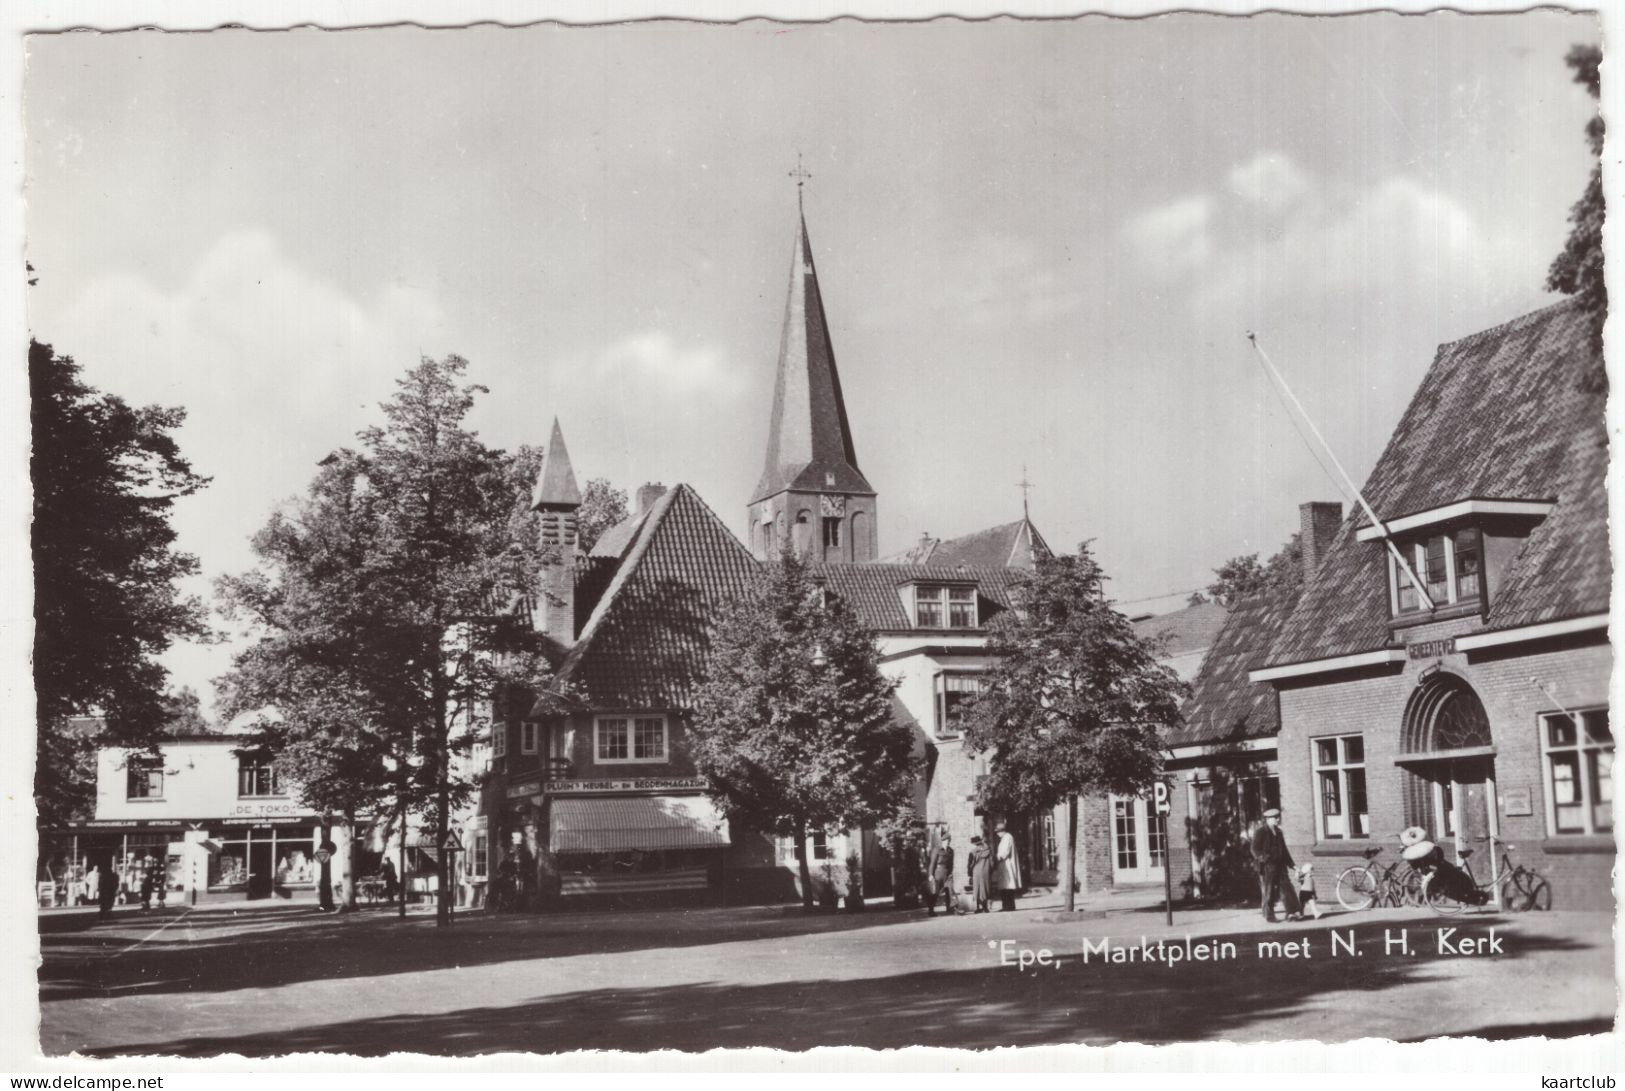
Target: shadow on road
{"points": [[285, 946], [1094, 1003]]}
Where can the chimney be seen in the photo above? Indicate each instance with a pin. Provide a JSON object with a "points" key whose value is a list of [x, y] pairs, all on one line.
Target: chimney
{"points": [[1318, 524], [556, 502], [648, 494]]}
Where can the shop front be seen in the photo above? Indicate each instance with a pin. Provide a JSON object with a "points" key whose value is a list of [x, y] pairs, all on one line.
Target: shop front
{"points": [[624, 839]]}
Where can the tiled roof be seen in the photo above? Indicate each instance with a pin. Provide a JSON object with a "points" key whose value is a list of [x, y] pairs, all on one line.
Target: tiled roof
{"points": [[1186, 630], [646, 642], [1500, 415], [1010, 545], [615, 541], [809, 443], [1224, 706], [872, 590]]}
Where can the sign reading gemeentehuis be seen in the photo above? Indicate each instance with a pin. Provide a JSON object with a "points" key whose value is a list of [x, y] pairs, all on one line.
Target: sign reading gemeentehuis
{"points": [[639, 784]]}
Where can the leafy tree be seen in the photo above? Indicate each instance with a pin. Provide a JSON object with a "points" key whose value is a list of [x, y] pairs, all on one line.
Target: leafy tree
{"points": [[1578, 269], [107, 575], [183, 713], [602, 506], [793, 727], [1075, 700], [1240, 577], [385, 601]]}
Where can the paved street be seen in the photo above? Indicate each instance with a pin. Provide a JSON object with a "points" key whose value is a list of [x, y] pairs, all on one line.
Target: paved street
{"points": [[279, 979]]}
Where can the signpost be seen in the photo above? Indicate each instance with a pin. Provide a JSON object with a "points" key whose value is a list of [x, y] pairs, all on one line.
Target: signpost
{"points": [[1159, 796]]}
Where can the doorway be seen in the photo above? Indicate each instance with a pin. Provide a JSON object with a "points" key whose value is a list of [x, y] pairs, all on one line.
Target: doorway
{"points": [[1139, 842], [260, 867], [1462, 795]]}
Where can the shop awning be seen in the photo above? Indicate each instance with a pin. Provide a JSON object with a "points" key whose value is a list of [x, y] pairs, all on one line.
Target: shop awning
{"points": [[636, 822]]}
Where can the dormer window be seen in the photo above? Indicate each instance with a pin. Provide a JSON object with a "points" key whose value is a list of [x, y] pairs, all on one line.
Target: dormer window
{"points": [[939, 607], [1450, 566]]}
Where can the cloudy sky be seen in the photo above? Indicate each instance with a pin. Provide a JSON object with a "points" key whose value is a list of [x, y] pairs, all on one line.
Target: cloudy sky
{"points": [[1040, 246]]}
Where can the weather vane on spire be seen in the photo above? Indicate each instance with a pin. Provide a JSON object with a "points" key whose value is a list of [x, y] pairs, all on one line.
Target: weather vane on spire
{"points": [[1024, 485], [800, 174]]}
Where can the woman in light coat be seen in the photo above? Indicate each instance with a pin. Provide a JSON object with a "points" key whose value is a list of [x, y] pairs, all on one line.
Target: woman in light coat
{"points": [[1006, 869]]}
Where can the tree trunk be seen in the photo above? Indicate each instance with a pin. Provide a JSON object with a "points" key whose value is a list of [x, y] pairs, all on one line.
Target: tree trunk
{"points": [[351, 865], [442, 826], [324, 878], [1071, 853], [401, 852], [806, 871]]}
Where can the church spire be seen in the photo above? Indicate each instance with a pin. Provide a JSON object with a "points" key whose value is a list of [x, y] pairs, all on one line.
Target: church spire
{"points": [[556, 487], [809, 442]]}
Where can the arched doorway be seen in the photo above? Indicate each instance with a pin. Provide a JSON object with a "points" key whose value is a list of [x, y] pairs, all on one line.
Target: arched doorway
{"points": [[1448, 755]]}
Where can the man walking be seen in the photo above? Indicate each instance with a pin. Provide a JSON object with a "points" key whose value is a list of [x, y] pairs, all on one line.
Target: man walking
{"points": [[1273, 862], [941, 871]]}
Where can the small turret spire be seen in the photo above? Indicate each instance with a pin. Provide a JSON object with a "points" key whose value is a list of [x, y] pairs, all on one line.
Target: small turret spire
{"points": [[556, 488]]}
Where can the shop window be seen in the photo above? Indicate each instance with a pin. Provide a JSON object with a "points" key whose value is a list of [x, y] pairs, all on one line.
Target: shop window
{"points": [[1339, 765], [144, 778], [528, 733], [955, 694], [1450, 566], [621, 739], [257, 776], [1579, 771], [938, 607]]}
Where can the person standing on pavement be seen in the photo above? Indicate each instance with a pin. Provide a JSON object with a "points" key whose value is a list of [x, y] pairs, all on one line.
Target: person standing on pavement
{"points": [[1273, 862], [941, 871], [149, 880], [107, 890], [980, 866], [1006, 869]]}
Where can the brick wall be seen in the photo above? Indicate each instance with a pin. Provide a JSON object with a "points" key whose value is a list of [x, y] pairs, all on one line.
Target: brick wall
{"points": [[1575, 672]]}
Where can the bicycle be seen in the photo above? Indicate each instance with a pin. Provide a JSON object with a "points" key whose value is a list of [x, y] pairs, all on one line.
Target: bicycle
{"points": [[1522, 889], [1395, 885]]}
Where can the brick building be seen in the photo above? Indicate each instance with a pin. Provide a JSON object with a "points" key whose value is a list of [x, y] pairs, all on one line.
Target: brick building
{"points": [[1475, 703], [591, 788]]}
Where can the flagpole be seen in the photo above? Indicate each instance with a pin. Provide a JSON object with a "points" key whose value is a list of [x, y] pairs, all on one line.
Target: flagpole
{"points": [[1353, 488]]}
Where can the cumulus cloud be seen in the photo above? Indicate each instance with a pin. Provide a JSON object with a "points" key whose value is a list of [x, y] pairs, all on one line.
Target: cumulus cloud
{"points": [[1172, 239], [1269, 179], [654, 357], [274, 365]]}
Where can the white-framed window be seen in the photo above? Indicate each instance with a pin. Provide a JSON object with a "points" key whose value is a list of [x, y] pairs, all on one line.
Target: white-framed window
{"points": [[1450, 566], [1339, 763], [257, 776], [937, 607], [1579, 771], [528, 732], [622, 739], [955, 693], [144, 778], [478, 863], [499, 738]]}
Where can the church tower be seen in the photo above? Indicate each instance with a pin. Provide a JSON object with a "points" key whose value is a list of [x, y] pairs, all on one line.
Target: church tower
{"points": [[812, 497]]}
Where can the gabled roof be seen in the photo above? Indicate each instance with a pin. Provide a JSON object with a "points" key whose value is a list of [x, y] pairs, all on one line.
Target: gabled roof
{"points": [[1010, 545], [874, 590], [1184, 631], [1224, 706], [556, 484], [645, 644], [1500, 414], [809, 443]]}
